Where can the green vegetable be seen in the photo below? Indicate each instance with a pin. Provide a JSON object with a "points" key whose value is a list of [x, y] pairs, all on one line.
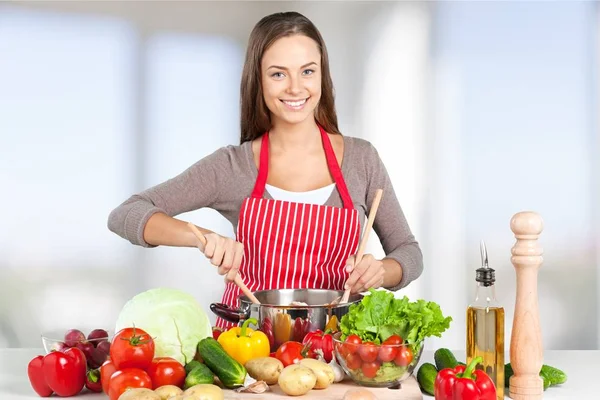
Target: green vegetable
{"points": [[444, 359], [230, 372], [426, 378], [191, 365], [200, 374], [173, 318], [380, 315], [554, 375], [550, 375]]}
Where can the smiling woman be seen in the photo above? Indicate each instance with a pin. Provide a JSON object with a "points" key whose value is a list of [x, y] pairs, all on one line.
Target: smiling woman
{"points": [[289, 144]]}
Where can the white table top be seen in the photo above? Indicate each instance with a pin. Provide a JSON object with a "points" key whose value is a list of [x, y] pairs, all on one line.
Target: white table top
{"points": [[581, 367]]}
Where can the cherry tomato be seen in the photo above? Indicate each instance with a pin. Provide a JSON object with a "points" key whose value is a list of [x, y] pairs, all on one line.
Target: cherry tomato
{"points": [[352, 343], [368, 351], [387, 353], [290, 353], [404, 357], [393, 340], [370, 369], [389, 348], [166, 371], [106, 371], [128, 378], [132, 348], [353, 361]]}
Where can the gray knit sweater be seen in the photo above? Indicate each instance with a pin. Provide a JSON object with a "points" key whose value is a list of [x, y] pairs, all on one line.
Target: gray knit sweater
{"points": [[223, 179]]}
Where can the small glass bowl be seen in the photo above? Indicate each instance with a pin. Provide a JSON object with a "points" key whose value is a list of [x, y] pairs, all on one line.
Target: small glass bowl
{"points": [[373, 365], [96, 350]]}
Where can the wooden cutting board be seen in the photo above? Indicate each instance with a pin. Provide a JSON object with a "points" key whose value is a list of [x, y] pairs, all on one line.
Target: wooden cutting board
{"points": [[409, 391]]}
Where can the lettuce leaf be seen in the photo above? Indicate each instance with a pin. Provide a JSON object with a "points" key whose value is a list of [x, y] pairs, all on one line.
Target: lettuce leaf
{"points": [[380, 315]]}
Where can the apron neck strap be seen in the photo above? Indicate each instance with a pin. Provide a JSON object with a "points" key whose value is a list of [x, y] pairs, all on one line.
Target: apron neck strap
{"points": [[332, 163]]}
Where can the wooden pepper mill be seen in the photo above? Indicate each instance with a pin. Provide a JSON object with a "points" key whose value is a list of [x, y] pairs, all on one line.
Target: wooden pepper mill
{"points": [[526, 352]]}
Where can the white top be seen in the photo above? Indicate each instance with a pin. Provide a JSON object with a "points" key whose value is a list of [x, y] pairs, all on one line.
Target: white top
{"points": [[581, 367], [317, 196]]}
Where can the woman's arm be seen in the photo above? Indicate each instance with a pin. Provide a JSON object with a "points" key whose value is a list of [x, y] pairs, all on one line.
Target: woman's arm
{"points": [[146, 219]]}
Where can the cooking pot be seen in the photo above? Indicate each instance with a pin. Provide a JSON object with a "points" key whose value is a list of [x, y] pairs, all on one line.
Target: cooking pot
{"points": [[282, 321]]}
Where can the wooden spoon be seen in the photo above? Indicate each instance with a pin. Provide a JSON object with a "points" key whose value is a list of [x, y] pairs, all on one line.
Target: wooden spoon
{"points": [[238, 279], [365, 238]]}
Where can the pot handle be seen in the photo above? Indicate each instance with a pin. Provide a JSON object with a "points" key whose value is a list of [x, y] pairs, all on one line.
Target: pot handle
{"points": [[229, 314]]}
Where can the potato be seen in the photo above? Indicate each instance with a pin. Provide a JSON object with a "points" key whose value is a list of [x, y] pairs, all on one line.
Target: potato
{"points": [[264, 369], [168, 391], [296, 380], [324, 372], [204, 391], [139, 394]]}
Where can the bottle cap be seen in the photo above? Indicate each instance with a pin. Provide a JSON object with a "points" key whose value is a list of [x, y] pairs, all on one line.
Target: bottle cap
{"points": [[485, 274]]}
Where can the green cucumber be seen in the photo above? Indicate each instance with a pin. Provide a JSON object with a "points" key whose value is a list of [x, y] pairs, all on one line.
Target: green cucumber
{"points": [[426, 377], [550, 375], [199, 374], [229, 371], [191, 365], [444, 359]]}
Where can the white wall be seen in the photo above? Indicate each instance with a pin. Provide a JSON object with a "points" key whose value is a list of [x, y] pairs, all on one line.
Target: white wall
{"points": [[469, 104]]}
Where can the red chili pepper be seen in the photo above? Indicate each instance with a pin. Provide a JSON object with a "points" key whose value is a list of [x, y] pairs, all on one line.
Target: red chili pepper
{"points": [[216, 332], [319, 340], [92, 380], [266, 327], [464, 384], [63, 373]]}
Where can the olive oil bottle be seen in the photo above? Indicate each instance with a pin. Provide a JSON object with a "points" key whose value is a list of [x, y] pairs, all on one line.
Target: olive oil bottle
{"points": [[485, 326]]}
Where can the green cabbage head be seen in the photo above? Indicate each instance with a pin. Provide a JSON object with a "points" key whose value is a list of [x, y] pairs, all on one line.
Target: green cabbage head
{"points": [[173, 318]]}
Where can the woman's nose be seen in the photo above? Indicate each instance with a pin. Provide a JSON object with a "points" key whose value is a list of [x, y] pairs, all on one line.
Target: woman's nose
{"points": [[294, 85]]}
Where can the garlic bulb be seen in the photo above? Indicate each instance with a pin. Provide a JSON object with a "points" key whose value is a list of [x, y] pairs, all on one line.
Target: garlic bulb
{"points": [[338, 372]]}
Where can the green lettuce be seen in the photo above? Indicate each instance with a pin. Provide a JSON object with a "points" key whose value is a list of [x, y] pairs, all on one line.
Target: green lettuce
{"points": [[380, 315]]}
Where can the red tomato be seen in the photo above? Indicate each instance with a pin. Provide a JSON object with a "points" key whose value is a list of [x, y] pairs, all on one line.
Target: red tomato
{"points": [[353, 361], [166, 371], [290, 353], [404, 357], [389, 348], [106, 371], [387, 353], [393, 340], [352, 343], [132, 348], [368, 351], [128, 378], [370, 369]]}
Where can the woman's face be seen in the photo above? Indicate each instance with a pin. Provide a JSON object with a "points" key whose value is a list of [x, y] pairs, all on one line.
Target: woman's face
{"points": [[291, 79]]}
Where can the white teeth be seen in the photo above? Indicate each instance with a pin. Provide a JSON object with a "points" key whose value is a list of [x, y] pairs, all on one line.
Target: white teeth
{"points": [[295, 103]]}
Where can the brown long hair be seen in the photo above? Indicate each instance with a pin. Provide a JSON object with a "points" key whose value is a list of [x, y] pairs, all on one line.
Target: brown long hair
{"points": [[255, 117]]}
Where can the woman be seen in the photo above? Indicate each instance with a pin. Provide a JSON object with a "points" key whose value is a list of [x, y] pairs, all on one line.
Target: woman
{"points": [[295, 189]]}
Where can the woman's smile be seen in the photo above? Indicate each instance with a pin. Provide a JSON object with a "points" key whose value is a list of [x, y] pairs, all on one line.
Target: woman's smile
{"points": [[295, 105]]}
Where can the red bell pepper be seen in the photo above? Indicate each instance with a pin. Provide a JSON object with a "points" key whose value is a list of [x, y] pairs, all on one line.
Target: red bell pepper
{"points": [[319, 340], [63, 373], [299, 329], [36, 377], [464, 384]]}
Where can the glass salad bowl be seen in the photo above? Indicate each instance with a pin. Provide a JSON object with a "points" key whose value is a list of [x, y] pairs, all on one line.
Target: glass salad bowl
{"points": [[383, 365]]}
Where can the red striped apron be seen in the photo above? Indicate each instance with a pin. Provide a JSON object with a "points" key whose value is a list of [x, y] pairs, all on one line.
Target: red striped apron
{"points": [[291, 245]]}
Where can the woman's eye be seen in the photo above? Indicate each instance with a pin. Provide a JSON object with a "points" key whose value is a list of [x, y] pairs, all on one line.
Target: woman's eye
{"points": [[308, 71], [277, 75]]}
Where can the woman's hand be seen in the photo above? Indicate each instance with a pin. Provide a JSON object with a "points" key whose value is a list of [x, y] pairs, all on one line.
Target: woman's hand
{"points": [[224, 253], [369, 273]]}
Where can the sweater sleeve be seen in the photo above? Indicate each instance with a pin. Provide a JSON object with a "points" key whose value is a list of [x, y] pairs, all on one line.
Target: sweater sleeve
{"points": [[194, 188], [390, 224]]}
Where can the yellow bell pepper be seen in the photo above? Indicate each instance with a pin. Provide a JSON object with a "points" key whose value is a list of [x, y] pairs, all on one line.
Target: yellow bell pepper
{"points": [[243, 343]]}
